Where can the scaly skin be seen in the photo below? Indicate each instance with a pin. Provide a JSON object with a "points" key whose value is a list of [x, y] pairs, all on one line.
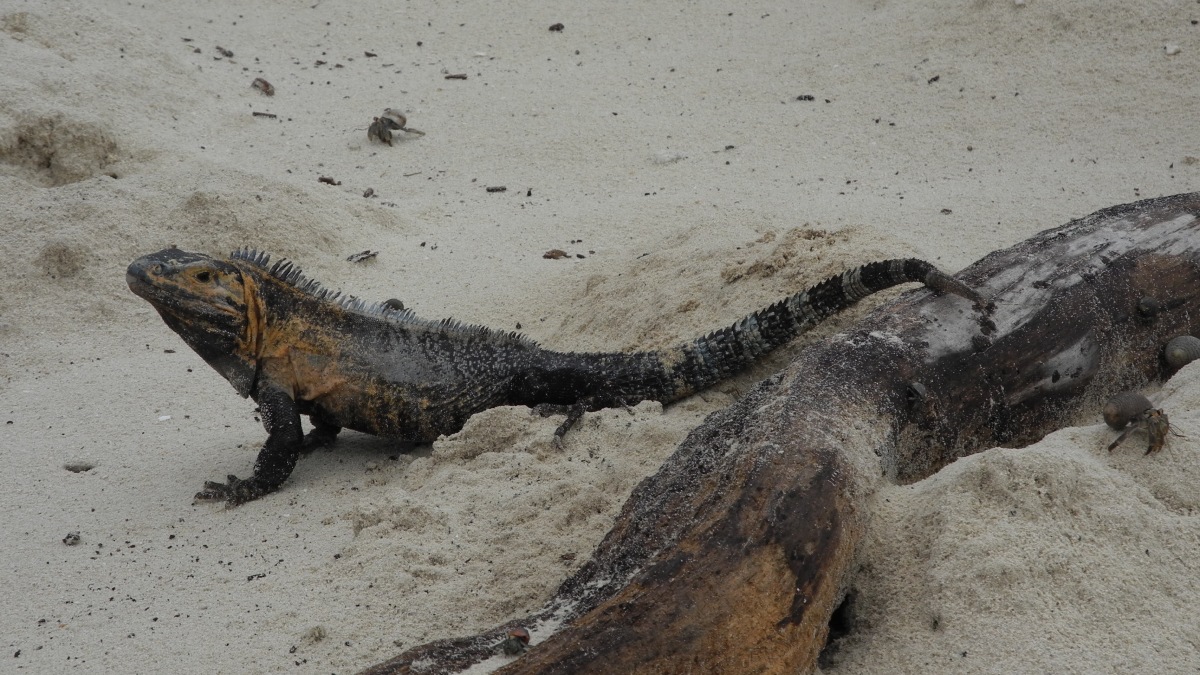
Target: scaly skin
{"points": [[299, 349]]}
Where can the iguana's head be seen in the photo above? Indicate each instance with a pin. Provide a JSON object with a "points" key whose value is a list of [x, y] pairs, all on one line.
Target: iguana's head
{"points": [[208, 302]]}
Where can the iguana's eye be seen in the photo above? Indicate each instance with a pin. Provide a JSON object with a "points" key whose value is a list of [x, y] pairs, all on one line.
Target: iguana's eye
{"points": [[203, 277]]}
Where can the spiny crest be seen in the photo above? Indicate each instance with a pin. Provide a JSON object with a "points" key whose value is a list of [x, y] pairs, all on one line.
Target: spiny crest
{"points": [[289, 273], [260, 258], [285, 271]]}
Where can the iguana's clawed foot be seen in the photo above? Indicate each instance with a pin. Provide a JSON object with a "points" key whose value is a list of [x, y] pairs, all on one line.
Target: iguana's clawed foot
{"points": [[574, 413], [236, 491]]}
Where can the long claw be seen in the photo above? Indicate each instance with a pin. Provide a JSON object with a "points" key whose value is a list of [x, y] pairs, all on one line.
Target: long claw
{"points": [[210, 493], [214, 491]]}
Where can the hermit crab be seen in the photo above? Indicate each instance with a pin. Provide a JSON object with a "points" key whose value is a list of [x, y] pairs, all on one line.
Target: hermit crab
{"points": [[381, 127], [1129, 411], [516, 642]]}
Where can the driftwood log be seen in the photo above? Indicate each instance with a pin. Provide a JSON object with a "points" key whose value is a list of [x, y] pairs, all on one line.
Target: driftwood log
{"points": [[735, 554]]}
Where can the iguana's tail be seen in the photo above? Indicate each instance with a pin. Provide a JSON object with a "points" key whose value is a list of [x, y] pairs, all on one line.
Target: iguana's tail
{"points": [[594, 381], [721, 354]]}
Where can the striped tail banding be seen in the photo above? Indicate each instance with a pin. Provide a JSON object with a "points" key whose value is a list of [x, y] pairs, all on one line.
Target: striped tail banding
{"points": [[725, 352]]}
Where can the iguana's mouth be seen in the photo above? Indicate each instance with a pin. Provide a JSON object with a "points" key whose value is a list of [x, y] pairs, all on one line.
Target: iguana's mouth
{"points": [[138, 277], [135, 281]]}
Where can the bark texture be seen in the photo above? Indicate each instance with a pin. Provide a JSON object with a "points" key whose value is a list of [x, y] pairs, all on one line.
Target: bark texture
{"points": [[734, 555]]}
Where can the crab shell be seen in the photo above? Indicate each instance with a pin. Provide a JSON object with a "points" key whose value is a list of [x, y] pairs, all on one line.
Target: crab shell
{"points": [[1124, 408], [1182, 351], [394, 119]]}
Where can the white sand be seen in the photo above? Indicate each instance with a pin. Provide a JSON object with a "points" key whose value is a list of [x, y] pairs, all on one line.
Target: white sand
{"points": [[668, 138]]}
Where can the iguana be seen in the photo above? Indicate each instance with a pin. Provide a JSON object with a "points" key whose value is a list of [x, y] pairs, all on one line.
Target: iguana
{"points": [[298, 348]]}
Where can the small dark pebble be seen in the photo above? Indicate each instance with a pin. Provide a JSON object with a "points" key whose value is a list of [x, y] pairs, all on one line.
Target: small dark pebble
{"points": [[224, 52], [456, 76], [72, 539], [328, 180], [933, 79], [806, 97], [369, 192], [497, 188], [557, 28], [1148, 307]]}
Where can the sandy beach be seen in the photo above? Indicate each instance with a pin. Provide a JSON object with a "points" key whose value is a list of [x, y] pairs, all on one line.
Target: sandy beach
{"points": [[694, 161]]}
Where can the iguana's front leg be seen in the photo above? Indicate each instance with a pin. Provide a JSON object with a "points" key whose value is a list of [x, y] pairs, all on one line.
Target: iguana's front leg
{"points": [[281, 418]]}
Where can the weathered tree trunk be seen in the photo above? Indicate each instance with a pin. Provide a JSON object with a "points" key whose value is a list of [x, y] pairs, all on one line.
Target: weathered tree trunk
{"points": [[734, 555]]}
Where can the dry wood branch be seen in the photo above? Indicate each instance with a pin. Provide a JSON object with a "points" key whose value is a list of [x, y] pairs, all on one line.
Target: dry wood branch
{"points": [[734, 555]]}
